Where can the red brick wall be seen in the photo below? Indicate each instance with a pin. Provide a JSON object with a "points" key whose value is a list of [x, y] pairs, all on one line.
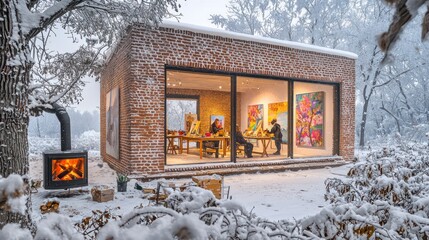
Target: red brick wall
{"points": [[152, 49], [117, 74]]}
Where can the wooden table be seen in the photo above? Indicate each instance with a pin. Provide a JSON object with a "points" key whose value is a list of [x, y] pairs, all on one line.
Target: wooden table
{"points": [[200, 140], [170, 144], [265, 143]]}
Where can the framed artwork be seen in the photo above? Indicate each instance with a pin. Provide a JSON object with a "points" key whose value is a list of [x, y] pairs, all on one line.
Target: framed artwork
{"points": [[189, 119], [279, 111], [112, 123], [255, 116], [221, 120], [310, 119]]}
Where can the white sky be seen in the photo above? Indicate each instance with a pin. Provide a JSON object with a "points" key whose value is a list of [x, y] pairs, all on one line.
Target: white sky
{"points": [[194, 12]]}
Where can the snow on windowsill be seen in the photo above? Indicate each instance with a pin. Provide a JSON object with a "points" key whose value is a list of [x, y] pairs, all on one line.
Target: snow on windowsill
{"points": [[246, 37]]}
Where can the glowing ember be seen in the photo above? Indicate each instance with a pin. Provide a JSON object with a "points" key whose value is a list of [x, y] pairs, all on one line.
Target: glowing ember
{"points": [[67, 169]]}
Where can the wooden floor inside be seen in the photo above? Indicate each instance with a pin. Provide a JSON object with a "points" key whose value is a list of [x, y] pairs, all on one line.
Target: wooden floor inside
{"points": [[194, 158]]}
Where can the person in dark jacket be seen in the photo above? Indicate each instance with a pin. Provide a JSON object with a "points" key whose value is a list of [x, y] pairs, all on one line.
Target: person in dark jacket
{"points": [[277, 131], [239, 138]]}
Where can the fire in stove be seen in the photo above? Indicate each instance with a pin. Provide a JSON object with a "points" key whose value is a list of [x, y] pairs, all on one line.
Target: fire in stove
{"points": [[68, 169], [65, 169]]}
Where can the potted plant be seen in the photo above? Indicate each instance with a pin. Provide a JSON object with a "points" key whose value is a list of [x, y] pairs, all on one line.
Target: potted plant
{"points": [[122, 181]]}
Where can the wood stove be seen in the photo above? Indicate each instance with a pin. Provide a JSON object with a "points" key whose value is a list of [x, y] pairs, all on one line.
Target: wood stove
{"points": [[65, 169]]}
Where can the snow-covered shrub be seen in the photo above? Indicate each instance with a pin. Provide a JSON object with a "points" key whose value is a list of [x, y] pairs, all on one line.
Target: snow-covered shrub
{"points": [[196, 214], [384, 197], [89, 140], [14, 231], [57, 226], [12, 194]]}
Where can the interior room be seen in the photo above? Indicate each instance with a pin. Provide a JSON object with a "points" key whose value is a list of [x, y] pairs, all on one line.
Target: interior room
{"points": [[199, 103]]}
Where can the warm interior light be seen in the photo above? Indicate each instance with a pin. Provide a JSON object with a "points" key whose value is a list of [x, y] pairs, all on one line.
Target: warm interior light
{"points": [[68, 169], [220, 87], [168, 84], [174, 84]]}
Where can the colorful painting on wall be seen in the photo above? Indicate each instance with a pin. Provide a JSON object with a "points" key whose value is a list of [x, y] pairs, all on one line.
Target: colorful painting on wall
{"points": [[221, 120], [279, 111], [189, 119], [310, 119], [112, 123], [255, 116]]}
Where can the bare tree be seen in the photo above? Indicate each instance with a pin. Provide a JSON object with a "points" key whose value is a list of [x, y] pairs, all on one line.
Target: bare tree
{"points": [[21, 23]]}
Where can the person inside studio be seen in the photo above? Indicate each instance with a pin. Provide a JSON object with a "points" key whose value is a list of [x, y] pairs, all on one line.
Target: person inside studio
{"points": [[216, 126], [277, 131], [214, 129], [239, 138]]}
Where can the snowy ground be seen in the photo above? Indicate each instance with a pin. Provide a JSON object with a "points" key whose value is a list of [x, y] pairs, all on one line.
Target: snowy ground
{"points": [[284, 195]]}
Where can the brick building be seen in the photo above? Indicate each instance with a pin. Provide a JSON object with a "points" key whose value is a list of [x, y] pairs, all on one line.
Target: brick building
{"points": [[156, 77]]}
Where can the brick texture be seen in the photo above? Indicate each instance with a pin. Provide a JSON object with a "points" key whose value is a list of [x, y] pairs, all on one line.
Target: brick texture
{"points": [[138, 68]]}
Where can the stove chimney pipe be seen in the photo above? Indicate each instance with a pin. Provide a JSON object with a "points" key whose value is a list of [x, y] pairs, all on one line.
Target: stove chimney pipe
{"points": [[64, 119]]}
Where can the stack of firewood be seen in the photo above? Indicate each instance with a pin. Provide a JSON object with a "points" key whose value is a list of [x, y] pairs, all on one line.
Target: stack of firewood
{"points": [[50, 206]]}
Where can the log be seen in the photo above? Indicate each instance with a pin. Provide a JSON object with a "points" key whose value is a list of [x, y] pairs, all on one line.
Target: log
{"points": [[50, 206]]}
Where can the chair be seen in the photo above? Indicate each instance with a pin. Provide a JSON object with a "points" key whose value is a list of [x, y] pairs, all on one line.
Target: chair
{"points": [[240, 149], [209, 147]]}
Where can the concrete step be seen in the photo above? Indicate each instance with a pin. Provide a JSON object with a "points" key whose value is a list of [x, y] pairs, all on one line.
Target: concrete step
{"points": [[188, 171]]}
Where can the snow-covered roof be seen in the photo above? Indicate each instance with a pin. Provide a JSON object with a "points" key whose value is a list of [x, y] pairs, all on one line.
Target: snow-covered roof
{"points": [[253, 38]]}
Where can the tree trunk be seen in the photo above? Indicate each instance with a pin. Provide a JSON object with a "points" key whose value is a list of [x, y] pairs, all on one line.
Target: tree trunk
{"points": [[14, 82], [363, 123]]}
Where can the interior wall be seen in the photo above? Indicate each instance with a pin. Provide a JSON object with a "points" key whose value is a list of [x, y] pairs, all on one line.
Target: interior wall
{"points": [[327, 149], [211, 103], [264, 95]]}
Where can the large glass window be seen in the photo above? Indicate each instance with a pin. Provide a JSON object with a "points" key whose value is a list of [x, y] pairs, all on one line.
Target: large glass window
{"points": [[270, 123], [314, 112], [262, 118], [198, 129]]}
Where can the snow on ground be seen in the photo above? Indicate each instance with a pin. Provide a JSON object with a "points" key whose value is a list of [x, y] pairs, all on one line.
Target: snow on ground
{"points": [[283, 195]]}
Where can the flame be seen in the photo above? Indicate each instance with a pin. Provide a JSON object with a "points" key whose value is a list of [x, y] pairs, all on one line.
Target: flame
{"points": [[68, 169]]}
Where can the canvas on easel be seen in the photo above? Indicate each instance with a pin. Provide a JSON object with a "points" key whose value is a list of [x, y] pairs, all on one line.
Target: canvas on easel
{"points": [[194, 128], [189, 119], [259, 131]]}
